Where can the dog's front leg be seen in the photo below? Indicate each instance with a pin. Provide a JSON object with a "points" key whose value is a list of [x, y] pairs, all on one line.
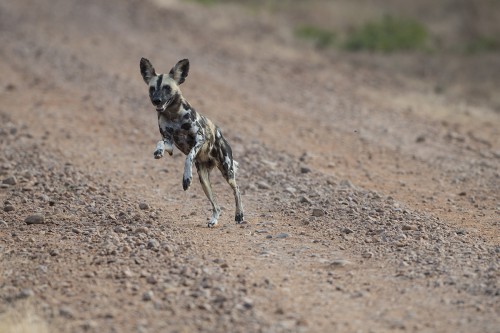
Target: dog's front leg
{"points": [[161, 147], [167, 134], [188, 165]]}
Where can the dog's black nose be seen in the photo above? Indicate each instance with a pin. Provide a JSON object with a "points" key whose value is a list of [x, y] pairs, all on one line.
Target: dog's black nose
{"points": [[156, 101]]}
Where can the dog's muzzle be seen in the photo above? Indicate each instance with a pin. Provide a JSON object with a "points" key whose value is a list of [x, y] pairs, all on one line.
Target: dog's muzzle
{"points": [[162, 108]]}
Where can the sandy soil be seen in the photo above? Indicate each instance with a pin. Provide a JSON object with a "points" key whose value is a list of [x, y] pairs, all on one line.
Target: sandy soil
{"points": [[372, 203]]}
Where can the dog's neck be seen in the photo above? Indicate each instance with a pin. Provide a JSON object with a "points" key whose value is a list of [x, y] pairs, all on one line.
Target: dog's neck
{"points": [[174, 107]]}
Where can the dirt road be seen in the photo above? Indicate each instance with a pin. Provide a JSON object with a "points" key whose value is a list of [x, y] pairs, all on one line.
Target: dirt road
{"points": [[372, 203]]}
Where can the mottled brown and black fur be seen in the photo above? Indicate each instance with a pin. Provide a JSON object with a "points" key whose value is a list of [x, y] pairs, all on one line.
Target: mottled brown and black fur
{"points": [[191, 132]]}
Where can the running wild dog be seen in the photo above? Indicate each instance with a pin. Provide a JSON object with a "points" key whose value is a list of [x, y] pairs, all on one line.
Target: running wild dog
{"points": [[192, 133]]}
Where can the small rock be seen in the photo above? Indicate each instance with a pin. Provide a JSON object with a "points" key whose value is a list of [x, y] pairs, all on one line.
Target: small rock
{"points": [[25, 293], [153, 244], [263, 185], [247, 303], [120, 230], [305, 169], [168, 248], [90, 325], [367, 255], [151, 280], [35, 219], [305, 199], [401, 237], [347, 231], [269, 236], [143, 206], [346, 183], [67, 312], [10, 180], [141, 229], [10, 87], [205, 307], [127, 273], [3, 223], [147, 296], [318, 212], [54, 253], [341, 263], [8, 208], [409, 227], [282, 235], [420, 139]]}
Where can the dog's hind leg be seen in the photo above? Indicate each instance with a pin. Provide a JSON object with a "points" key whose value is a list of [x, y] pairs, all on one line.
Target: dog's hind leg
{"points": [[203, 170], [228, 168], [238, 216]]}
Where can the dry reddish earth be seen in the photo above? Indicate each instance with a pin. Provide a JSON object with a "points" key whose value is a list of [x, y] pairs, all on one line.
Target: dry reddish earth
{"points": [[372, 204]]}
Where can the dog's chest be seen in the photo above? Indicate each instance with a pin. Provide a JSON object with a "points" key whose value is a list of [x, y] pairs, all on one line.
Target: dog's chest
{"points": [[182, 129]]}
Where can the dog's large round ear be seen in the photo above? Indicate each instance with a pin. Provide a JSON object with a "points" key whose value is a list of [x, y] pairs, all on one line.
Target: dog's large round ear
{"points": [[147, 70], [180, 71]]}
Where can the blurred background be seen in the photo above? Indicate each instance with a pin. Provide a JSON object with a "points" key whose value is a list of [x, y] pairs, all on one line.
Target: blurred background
{"points": [[454, 44]]}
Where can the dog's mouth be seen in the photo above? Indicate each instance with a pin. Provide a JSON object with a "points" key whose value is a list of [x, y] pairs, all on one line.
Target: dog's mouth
{"points": [[162, 107]]}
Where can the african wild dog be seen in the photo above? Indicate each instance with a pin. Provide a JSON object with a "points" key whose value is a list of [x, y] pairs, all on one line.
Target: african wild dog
{"points": [[192, 133]]}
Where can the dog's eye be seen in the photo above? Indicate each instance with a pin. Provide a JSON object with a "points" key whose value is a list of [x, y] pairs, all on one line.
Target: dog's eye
{"points": [[167, 89], [151, 90]]}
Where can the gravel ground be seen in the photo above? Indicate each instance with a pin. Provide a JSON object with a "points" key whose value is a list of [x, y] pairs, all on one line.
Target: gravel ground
{"points": [[360, 215]]}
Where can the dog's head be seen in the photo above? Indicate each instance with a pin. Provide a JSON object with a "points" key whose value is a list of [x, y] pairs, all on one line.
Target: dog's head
{"points": [[164, 88]]}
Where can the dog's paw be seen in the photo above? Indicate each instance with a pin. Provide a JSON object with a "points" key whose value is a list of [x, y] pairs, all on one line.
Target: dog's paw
{"points": [[239, 217], [158, 153], [186, 182], [212, 223]]}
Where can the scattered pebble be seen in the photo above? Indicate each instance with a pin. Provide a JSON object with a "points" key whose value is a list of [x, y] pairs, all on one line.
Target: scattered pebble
{"points": [[151, 280], [35, 219], [305, 169], [341, 262], [409, 227], [282, 235], [147, 296], [10, 180], [247, 303], [120, 229], [346, 183], [263, 185], [143, 206], [25, 293], [141, 229], [367, 255], [8, 208], [153, 244], [347, 231], [66, 311], [318, 212], [305, 199]]}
